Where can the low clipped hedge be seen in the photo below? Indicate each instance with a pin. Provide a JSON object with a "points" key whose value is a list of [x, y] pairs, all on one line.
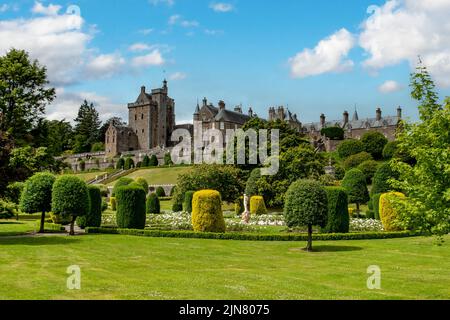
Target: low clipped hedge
{"points": [[253, 236], [257, 206]]}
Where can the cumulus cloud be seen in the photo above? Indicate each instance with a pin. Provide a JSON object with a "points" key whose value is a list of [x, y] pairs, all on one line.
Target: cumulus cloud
{"points": [[390, 86], [221, 7], [50, 10], [178, 76], [105, 65], [401, 30], [177, 19], [328, 56], [154, 58], [138, 47]]}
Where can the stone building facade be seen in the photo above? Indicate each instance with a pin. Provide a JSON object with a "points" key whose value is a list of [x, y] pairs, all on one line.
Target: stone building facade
{"points": [[283, 114]]}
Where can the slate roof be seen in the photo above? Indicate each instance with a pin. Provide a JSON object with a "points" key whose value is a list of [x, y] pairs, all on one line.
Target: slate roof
{"points": [[232, 116], [355, 124]]}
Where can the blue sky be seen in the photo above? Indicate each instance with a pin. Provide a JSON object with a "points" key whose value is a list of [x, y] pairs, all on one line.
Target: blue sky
{"points": [[258, 53]]}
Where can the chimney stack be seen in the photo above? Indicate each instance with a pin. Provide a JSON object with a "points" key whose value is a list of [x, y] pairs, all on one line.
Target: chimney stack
{"points": [[346, 117], [205, 102], [322, 120], [399, 112], [379, 114], [221, 105], [250, 112], [143, 89]]}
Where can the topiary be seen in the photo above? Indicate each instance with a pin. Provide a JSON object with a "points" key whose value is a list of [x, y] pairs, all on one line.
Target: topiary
{"points": [[356, 159], [160, 192], [143, 183], [207, 215], [340, 172], [390, 150], [349, 148], [355, 184], [251, 188], [94, 216], [146, 161], [129, 164], [338, 216], [376, 205], [131, 207], [388, 213], [381, 179], [239, 206], [103, 189], [257, 206], [187, 203], [369, 168], [113, 203], [70, 196], [172, 192], [168, 159], [14, 191], [120, 164], [37, 196], [306, 204], [374, 143], [122, 182], [153, 161], [153, 205], [82, 165], [176, 207]]}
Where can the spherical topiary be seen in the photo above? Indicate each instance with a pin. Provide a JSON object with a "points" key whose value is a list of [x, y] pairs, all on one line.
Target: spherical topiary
{"points": [[207, 215], [251, 188], [376, 205], [388, 213], [356, 159], [113, 203], [356, 186], [187, 203], [338, 215], [70, 197], [153, 204], [37, 195], [153, 161], [94, 216], [369, 168], [142, 182], [306, 204], [349, 148], [390, 149], [129, 164], [374, 143], [257, 206], [160, 192], [381, 179], [131, 207], [122, 182], [120, 164]]}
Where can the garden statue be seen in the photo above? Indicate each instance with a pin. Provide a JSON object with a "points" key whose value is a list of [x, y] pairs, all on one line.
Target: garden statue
{"points": [[246, 214]]}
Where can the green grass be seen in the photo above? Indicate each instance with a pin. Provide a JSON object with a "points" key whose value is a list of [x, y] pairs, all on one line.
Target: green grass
{"points": [[157, 176], [17, 228], [88, 176], [123, 267]]}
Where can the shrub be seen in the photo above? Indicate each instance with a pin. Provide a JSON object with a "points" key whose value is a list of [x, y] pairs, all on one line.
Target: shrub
{"points": [[70, 196], [349, 148], [153, 161], [129, 164], [160, 192], [104, 205], [168, 159], [338, 215], [388, 214], [7, 210], [113, 203], [370, 214], [390, 149], [153, 205], [374, 143], [356, 159], [381, 179], [37, 196], [251, 188], [340, 172], [176, 207], [172, 192], [103, 189], [257, 206], [143, 183], [207, 213], [14, 191], [306, 204], [120, 164], [122, 182], [333, 133], [239, 206], [355, 184], [376, 205], [131, 207], [369, 168], [94, 216], [187, 203], [146, 162]]}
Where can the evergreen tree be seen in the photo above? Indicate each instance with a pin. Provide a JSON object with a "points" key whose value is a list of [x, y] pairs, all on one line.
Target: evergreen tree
{"points": [[87, 128]]}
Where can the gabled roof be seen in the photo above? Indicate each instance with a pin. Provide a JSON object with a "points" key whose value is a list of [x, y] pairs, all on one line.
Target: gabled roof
{"points": [[232, 116]]}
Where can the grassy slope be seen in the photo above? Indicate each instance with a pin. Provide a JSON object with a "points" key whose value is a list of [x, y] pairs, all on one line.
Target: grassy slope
{"points": [[122, 267], [88, 176], [158, 175]]}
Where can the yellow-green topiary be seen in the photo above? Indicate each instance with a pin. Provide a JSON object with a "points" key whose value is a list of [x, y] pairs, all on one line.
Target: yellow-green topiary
{"points": [[113, 203], [257, 206], [207, 215], [388, 214]]}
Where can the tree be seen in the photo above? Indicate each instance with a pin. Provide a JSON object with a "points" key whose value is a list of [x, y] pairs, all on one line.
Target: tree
{"points": [[87, 128], [349, 148], [37, 196], [333, 133], [6, 145], [374, 143], [168, 159], [356, 159], [369, 168], [355, 184], [24, 93], [427, 183], [153, 161], [306, 205], [146, 161], [338, 216], [381, 179], [70, 197], [143, 183]]}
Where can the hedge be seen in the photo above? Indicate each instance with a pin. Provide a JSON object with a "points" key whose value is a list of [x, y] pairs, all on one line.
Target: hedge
{"points": [[187, 203], [207, 215], [142, 182], [120, 164], [131, 207], [121, 183], [257, 206], [129, 164], [94, 216], [253, 236], [338, 215], [376, 205]]}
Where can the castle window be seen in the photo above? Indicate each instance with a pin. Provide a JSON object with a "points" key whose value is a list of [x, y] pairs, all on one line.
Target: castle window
{"points": [[142, 116], [135, 117], [143, 130], [222, 126]]}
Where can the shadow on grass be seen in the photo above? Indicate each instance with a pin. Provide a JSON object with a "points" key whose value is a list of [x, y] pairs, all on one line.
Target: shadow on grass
{"points": [[336, 248], [37, 241], [10, 223]]}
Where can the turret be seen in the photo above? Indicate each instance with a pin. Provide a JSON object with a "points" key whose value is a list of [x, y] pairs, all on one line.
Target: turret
{"points": [[379, 114], [346, 117], [322, 120]]}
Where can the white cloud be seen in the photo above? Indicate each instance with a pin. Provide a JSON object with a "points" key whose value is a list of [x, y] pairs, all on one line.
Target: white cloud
{"points": [[390, 86], [177, 76], [401, 30], [50, 10], [221, 7], [328, 56], [138, 47], [176, 19], [154, 58], [105, 65], [169, 3], [189, 24]]}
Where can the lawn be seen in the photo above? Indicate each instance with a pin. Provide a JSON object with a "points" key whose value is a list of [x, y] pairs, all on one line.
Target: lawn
{"points": [[24, 226], [88, 176], [125, 267], [157, 176]]}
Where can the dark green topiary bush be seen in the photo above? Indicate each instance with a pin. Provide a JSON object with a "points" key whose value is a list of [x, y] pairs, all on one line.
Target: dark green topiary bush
{"points": [[103, 190], [37, 196], [187, 203], [131, 207], [376, 205], [122, 182], [160, 192], [340, 172], [239, 206], [333, 133], [168, 159], [381, 179], [143, 183], [120, 164], [94, 216], [369, 168], [146, 162], [251, 188], [355, 184], [153, 204], [129, 164], [153, 161], [390, 150], [306, 204], [70, 197], [176, 207], [349, 148], [356, 159], [338, 216], [374, 143]]}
